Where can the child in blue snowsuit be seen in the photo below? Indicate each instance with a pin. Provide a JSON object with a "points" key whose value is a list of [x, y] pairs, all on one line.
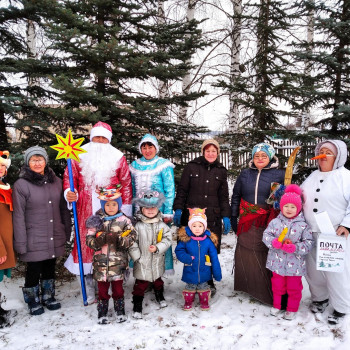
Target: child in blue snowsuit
{"points": [[197, 250]]}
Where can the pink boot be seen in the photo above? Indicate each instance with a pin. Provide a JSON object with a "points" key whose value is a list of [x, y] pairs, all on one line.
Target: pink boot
{"points": [[204, 296], [189, 298]]}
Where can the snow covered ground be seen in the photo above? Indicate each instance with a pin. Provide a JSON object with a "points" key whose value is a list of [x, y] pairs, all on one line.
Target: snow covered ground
{"points": [[234, 321]]}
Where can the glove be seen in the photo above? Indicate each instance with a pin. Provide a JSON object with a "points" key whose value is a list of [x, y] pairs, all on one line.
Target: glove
{"points": [[289, 248], [276, 244], [234, 223], [227, 225], [111, 238], [100, 241], [177, 217]]}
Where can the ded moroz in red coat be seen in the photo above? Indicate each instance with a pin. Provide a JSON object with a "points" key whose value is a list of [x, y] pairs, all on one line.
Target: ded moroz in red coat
{"points": [[88, 204]]}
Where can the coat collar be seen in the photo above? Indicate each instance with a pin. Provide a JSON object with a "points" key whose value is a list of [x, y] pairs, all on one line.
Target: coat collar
{"points": [[37, 179]]}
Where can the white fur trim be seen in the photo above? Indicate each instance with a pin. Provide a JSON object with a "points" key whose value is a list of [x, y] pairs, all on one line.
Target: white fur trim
{"points": [[100, 131], [73, 267], [127, 209], [150, 140]]}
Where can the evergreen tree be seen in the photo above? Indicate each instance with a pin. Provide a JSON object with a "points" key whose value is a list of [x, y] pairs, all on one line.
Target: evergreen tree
{"points": [[101, 59], [329, 56]]}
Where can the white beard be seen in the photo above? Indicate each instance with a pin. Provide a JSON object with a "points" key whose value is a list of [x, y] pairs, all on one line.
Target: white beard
{"points": [[99, 164]]}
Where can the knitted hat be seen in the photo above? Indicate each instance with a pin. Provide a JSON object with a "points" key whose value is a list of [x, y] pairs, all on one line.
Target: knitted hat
{"points": [[35, 151], [151, 139], [292, 194], [210, 142], [149, 199], [197, 215], [264, 147], [331, 147], [5, 158], [101, 129], [107, 194]]}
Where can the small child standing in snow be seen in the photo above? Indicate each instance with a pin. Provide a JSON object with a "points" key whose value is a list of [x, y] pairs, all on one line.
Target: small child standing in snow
{"points": [[197, 250], [289, 239], [110, 234], [153, 239]]}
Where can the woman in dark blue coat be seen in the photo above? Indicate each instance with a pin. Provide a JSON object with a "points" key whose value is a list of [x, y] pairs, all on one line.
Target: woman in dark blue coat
{"points": [[197, 250], [250, 217]]}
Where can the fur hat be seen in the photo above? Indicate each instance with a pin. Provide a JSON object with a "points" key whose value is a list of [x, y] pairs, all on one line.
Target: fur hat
{"points": [[107, 194], [5, 158], [197, 215], [264, 147], [149, 199], [292, 194], [101, 129], [35, 151], [150, 139], [210, 142]]}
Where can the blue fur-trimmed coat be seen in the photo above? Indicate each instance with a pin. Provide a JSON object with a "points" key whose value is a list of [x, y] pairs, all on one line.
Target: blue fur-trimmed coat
{"points": [[156, 174], [198, 270]]}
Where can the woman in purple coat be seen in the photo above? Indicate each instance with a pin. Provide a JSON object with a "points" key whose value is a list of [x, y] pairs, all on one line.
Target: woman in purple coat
{"points": [[41, 223]]}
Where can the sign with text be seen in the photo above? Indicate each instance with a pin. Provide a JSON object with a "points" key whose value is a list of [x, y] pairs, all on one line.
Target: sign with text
{"points": [[330, 253]]}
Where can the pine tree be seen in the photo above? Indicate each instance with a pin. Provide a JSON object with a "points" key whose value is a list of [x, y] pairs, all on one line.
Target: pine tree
{"points": [[101, 59], [329, 56]]}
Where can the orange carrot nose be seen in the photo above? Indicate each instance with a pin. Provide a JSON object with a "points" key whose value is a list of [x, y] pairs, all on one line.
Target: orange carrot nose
{"points": [[320, 156]]}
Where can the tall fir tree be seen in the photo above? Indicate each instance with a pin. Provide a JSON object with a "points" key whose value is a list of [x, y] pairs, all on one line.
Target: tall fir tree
{"points": [[328, 87], [99, 64]]}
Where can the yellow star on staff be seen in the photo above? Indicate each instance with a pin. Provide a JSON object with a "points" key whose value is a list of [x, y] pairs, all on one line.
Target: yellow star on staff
{"points": [[68, 147]]}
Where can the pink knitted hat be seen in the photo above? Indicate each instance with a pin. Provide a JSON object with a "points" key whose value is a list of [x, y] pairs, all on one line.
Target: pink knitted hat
{"points": [[197, 214], [292, 194], [101, 129]]}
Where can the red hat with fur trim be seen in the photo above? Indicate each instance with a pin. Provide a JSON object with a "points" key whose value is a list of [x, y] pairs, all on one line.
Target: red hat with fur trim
{"points": [[101, 129]]}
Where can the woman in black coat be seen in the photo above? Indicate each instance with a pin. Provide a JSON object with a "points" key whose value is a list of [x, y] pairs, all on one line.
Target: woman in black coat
{"points": [[250, 217], [41, 223], [203, 184]]}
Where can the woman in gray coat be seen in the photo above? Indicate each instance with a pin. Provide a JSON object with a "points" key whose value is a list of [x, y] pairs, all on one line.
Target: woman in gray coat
{"points": [[41, 223]]}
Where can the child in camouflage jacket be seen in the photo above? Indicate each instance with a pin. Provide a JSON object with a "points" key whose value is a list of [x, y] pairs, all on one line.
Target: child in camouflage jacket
{"points": [[110, 234]]}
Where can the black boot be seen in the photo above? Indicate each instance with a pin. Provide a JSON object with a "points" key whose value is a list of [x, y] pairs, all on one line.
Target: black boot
{"points": [[212, 288], [48, 295], [119, 308], [102, 309], [31, 297], [336, 317], [137, 309], [7, 317], [160, 297]]}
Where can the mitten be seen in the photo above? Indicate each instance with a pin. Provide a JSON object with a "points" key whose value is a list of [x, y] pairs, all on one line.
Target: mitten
{"points": [[100, 240], [177, 217], [289, 248], [111, 238], [227, 225], [234, 223], [276, 243]]}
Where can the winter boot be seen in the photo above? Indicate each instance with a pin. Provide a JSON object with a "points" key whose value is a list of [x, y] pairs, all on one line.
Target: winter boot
{"points": [[204, 296], [336, 317], [7, 317], [119, 308], [160, 297], [212, 288], [31, 297], [48, 295], [102, 309], [189, 296], [319, 306], [137, 309]]}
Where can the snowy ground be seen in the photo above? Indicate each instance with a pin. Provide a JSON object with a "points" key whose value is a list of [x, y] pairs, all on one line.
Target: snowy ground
{"points": [[234, 321]]}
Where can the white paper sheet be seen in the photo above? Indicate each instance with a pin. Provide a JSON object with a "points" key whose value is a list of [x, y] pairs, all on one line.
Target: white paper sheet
{"points": [[324, 223]]}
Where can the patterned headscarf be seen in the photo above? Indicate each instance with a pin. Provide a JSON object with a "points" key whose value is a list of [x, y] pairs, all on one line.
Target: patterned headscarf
{"points": [[264, 147]]}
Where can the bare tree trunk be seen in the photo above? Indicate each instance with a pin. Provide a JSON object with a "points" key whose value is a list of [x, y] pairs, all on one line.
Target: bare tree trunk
{"points": [[235, 63], [32, 50], [186, 82], [162, 85], [305, 117]]}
